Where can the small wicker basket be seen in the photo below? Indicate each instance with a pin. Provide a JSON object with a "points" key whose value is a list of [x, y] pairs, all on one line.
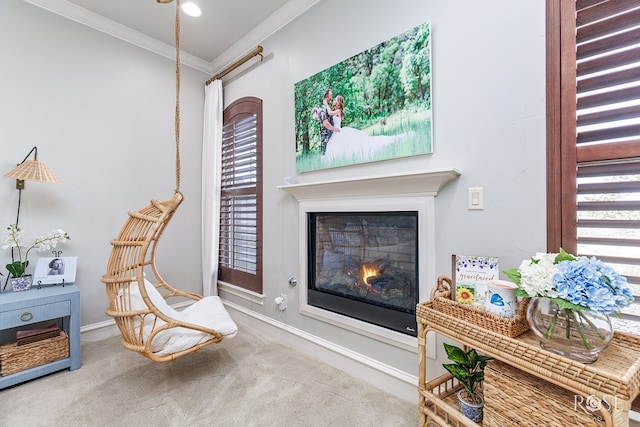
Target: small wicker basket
{"points": [[512, 327], [15, 359]]}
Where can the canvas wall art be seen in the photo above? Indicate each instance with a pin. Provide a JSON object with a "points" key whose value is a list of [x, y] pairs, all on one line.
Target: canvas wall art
{"points": [[373, 106]]}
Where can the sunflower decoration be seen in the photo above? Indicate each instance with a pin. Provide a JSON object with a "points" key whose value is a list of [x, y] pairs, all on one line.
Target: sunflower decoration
{"points": [[464, 295]]}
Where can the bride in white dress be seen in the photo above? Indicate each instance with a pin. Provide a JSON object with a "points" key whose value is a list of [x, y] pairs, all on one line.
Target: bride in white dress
{"points": [[350, 143]]}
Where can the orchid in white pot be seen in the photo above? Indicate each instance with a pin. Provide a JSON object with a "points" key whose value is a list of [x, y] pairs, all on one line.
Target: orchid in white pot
{"points": [[14, 240]]}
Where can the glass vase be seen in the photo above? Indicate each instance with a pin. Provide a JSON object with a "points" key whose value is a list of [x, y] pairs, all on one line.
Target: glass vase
{"points": [[578, 335]]}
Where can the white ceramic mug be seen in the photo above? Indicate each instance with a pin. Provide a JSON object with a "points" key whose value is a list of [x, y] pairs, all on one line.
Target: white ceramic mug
{"points": [[501, 298]]}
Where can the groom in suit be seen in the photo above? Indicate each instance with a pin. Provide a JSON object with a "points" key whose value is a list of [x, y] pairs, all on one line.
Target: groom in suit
{"points": [[326, 121]]}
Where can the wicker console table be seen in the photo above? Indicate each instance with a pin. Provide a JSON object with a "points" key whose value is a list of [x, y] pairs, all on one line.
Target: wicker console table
{"points": [[614, 378]]}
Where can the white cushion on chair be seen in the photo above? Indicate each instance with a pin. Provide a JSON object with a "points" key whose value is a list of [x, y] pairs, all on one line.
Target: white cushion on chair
{"points": [[208, 312], [137, 303]]}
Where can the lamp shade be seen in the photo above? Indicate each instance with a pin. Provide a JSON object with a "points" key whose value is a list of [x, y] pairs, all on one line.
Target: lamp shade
{"points": [[33, 170]]}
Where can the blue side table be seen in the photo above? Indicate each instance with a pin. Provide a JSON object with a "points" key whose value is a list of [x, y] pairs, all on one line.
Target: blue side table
{"points": [[19, 309]]}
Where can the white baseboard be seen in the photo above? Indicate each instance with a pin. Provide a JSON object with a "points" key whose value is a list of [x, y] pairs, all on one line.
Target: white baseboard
{"points": [[378, 374], [99, 331]]}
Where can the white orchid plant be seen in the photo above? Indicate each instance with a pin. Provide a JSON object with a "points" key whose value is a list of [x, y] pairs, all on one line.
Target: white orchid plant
{"points": [[18, 267]]}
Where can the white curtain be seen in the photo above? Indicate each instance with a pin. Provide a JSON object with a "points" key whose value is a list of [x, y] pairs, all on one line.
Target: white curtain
{"points": [[211, 165]]}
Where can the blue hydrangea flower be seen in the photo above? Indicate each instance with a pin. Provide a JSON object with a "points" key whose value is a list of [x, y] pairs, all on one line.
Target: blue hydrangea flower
{"points": [[590, 283]]}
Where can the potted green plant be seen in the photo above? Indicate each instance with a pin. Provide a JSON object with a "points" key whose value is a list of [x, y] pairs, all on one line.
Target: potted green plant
{"points": [[468, 369], [20, 280]]}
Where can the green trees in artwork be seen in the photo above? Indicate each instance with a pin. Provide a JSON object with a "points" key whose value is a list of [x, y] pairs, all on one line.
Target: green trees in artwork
{"points": [[389, 79]]}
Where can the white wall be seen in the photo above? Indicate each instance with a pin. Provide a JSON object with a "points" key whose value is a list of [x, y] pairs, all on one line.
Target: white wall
{"points": [[101, 112], [489, 107]]}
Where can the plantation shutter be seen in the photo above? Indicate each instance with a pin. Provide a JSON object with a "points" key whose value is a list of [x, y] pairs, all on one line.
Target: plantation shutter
{"points": [[240, 256], [608, 215], [599, 122]]}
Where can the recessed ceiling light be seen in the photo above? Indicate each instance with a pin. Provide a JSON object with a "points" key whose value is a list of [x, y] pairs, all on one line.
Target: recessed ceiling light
{"points": [[191, 9]]}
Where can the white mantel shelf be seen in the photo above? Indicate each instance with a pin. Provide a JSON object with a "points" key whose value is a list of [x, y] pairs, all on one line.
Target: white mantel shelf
{"points": [[428, 182]]}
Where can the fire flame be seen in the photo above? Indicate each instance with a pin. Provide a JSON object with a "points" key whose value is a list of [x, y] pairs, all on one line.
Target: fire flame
{"points": [[368, 272]]}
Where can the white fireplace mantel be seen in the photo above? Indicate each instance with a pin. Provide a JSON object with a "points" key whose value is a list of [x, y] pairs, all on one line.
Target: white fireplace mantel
{"points": [[428, 182], [406, 191]]}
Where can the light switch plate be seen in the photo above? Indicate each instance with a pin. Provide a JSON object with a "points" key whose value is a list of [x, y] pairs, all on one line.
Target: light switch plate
{"points": [[475, 199]]}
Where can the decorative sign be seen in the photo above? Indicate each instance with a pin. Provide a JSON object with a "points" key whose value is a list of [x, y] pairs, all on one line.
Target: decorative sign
{"points": [[471, 275]]}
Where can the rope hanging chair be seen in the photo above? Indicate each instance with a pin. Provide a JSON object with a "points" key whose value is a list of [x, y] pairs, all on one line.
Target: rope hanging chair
{"points": [[149, 325]]}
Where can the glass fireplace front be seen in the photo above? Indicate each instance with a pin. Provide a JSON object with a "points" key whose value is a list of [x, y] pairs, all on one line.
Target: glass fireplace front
{"points": [[365, 265]]}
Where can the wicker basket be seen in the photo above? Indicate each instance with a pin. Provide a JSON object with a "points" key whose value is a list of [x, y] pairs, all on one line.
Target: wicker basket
{"points": [[19, 358], [512, 327], [516, 398]]}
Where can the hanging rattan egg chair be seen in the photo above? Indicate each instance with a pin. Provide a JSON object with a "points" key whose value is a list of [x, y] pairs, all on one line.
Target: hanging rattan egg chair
{"points": [[136, 292]]}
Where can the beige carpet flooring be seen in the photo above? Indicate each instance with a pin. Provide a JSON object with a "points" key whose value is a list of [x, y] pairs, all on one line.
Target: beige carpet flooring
{"points": [[250, 380]]}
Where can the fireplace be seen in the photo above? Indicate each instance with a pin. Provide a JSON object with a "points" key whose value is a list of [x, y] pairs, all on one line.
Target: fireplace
{"points": [[411, 197], [364, 265]]}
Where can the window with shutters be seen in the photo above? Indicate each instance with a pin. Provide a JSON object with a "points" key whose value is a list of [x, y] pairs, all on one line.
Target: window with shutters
{"points": [[240, 258], [593, 135]]}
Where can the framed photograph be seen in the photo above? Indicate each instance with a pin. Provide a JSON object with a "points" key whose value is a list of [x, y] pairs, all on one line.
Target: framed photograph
{"points": [[55, 270], [373, 106]]}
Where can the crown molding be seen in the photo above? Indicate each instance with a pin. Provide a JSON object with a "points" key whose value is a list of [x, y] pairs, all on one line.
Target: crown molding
{"points": [[285, 14], [281, 17], [100, 23]]}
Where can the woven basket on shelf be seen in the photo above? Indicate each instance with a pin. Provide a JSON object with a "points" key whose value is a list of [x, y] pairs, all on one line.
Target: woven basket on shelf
{"points": [[512, 327], [20, 358], [516, 398]]}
